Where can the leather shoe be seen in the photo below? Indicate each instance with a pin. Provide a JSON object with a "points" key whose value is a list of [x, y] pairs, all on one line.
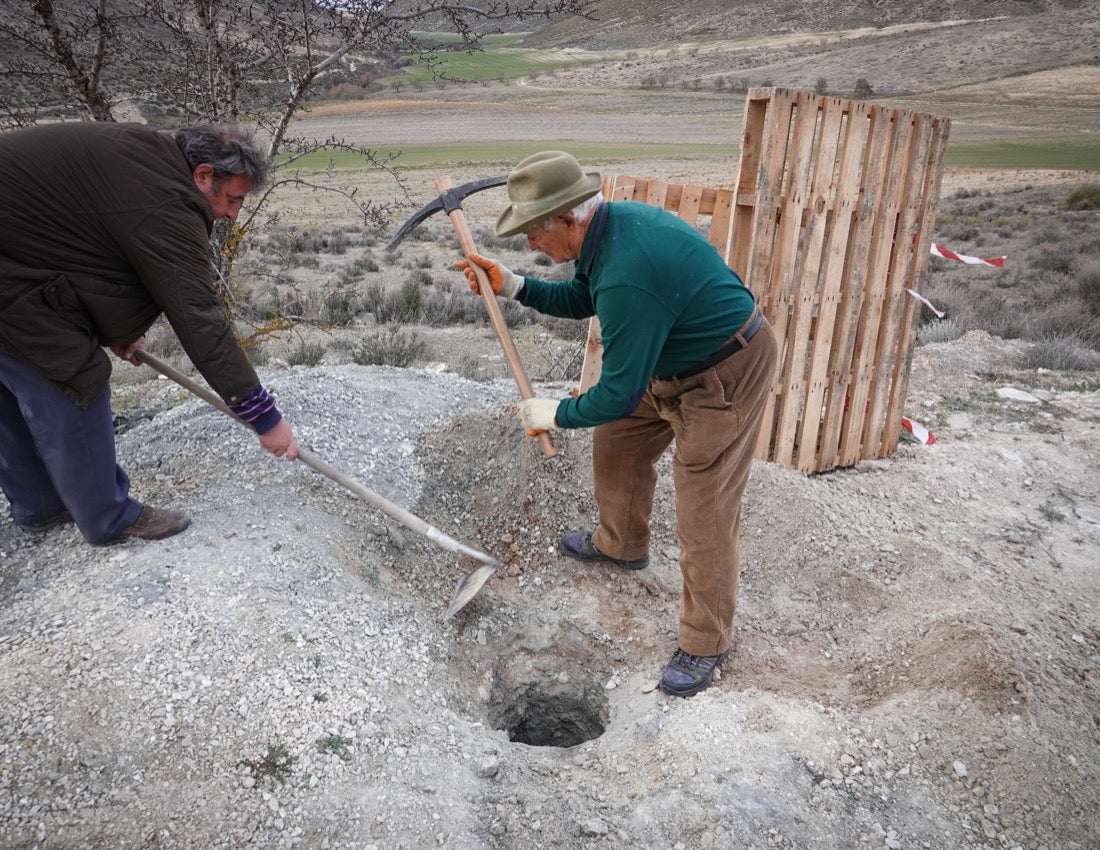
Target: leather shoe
{"points": [[579, 545], [156, 524], [687, 674]]}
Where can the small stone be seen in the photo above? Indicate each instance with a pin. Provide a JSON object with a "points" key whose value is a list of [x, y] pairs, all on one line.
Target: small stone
{"points": [[594, 827], [1013, 394]]}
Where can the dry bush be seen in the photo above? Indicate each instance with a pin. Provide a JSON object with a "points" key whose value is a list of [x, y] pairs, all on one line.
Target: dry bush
{"points": [[1061, 353], [390, 346], [306, 353], [1050, 287], [1088, 286], [1086, 197], [453, 305], [938, 330]]}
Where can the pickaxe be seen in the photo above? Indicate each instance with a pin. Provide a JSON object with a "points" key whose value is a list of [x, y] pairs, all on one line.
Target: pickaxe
{"points": [[450, 201]]}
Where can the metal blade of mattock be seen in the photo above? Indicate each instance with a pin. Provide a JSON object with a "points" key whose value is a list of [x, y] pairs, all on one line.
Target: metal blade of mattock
{"points": [[467, 586], [496, 318]]}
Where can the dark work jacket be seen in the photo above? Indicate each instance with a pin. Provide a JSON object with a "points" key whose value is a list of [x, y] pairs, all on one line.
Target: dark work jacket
{"points": [[101, 230]]}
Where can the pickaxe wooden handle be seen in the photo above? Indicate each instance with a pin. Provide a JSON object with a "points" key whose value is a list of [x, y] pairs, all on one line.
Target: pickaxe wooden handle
{"points": [[496, 318]]}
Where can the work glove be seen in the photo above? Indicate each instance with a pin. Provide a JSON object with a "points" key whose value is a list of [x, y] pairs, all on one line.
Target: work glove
{"points": [[503, 280], [538, 414]]}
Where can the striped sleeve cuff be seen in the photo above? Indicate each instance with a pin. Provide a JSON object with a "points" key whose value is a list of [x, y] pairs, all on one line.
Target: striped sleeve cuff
{"points": [[258, 410]]}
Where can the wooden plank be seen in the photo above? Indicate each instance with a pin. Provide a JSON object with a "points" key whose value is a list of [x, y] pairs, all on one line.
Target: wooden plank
{"points": [[618, 188], [913, 156], [691, 198], [720, 223], [769, 151], [745, 186], [863, 360], [867, 137], [593, 356], [656, 193], [932, 171], [840, 278], [816, 256], [791, 299], [708, 200]]}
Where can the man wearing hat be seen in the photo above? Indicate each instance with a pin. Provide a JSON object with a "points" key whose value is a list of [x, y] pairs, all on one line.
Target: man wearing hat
{"points": [[688, 358]]}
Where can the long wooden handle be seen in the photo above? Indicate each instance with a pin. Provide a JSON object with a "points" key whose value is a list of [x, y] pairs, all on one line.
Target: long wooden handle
{"points": [[496, 318]]}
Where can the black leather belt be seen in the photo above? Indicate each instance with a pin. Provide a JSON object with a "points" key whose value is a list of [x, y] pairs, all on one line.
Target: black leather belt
{"points": [[741, 338]]}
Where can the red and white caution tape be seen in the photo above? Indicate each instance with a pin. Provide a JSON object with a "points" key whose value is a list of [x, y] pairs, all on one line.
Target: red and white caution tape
{"points": [[939, 313], [923, 435], [997, 262]]}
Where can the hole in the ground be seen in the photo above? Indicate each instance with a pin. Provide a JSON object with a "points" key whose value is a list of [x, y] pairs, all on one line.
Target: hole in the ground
{"points": [[545, 709]]}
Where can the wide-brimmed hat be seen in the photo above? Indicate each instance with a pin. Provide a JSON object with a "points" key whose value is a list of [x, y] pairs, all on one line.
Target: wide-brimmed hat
{"points": [[542, 186]]}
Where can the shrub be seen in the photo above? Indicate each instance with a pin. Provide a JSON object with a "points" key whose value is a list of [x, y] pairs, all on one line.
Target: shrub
{"points": [[939, 330], [1088, 286], [403, 305], [474, 368], [1063, 317], [515, 314], [366, 263], [391, 346], [492, 242], [1061, 353], [1053, 258], [1086, 197], [337, 243], [455, 306], [339, 309], [306, 353]]}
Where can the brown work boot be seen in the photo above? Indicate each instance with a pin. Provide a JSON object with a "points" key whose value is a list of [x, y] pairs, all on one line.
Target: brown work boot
{"points": [[156, 524]]}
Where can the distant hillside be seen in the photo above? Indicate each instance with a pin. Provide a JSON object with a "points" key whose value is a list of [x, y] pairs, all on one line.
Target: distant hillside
{"points": [[628, 23]]}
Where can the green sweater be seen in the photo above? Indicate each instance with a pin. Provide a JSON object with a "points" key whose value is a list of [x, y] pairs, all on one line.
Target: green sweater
{"points": [[664, 297]]}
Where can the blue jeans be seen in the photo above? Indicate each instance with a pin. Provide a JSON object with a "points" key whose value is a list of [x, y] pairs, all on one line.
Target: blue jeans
{"points": [[54, 456]]}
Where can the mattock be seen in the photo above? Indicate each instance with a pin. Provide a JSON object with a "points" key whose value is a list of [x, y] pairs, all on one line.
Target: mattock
{"points": [[450, 201], [496, 318]]}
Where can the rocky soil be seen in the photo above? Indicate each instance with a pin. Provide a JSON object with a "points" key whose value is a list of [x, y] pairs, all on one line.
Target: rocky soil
{"points": [[915, 662], [917, 641]]}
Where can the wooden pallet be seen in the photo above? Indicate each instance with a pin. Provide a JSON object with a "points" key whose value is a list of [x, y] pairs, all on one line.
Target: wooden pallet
{"points": [[829, 223]]}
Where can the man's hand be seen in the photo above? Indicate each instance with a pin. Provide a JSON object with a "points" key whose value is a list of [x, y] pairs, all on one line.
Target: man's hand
{"points": [[503, 280], [538, 414], [280, 441], [126, 352]]}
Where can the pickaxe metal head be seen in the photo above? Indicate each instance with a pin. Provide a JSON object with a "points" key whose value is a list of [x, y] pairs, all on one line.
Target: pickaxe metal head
{"points": [[449, 201]]}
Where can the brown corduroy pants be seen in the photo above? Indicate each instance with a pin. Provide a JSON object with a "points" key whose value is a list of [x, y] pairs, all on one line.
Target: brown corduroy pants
{"points": [[714, 418]]}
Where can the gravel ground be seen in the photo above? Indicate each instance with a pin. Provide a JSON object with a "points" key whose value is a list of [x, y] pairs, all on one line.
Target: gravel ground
{"points": [[917, 641], [915, 664]]}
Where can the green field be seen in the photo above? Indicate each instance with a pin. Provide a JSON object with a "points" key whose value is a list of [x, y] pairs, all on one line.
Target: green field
{"points": [[1065, 154], [1057, 154], [496, 59]]}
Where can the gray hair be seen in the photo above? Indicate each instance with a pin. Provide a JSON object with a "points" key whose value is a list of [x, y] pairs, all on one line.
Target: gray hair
{"points": [[227, 148], [582, 212]]}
